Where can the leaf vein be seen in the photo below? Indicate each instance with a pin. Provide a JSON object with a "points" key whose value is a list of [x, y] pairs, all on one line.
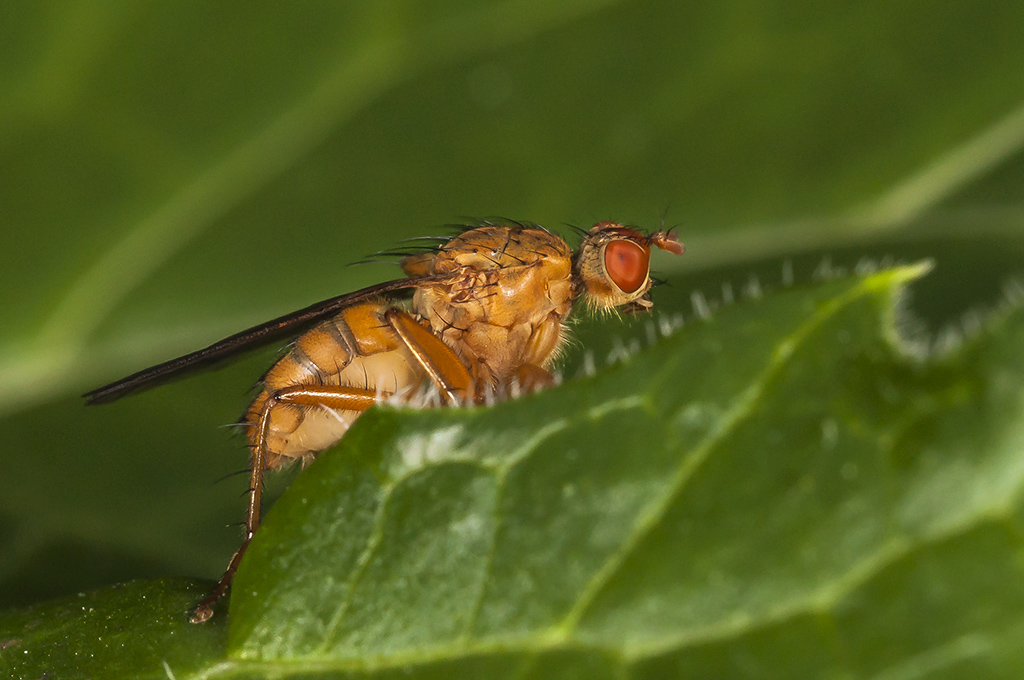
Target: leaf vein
{"points": [[740, 409]]}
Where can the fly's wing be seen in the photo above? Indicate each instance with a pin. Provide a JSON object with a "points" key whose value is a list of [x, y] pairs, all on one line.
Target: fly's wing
{"points": [[286, 326]]}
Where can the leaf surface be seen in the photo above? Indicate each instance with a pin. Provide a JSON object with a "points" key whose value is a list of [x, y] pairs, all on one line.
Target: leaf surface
{"points": [[788, 486], [132, 630], [785, 471]]}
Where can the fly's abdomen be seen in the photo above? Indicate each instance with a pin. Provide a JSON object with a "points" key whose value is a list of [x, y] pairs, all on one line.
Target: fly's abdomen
{"points": [[357, 349]]}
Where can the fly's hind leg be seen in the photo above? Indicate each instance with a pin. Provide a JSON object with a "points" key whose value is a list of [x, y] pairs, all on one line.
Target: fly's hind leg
{"points": [[338, 398], [428, 351], [438, 361]]}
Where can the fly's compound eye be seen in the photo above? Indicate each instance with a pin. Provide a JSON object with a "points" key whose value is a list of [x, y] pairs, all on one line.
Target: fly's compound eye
{"points": [[627, 265]]}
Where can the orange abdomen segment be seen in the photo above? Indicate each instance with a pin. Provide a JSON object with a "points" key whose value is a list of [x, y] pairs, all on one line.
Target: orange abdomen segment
{"points": [[356, 348]]}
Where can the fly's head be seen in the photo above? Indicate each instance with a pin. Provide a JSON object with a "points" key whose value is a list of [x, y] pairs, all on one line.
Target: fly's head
{"points": [[612, 267]]}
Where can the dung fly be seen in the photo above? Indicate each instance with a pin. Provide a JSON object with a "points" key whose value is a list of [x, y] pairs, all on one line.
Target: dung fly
{"points": [[488, 312]]}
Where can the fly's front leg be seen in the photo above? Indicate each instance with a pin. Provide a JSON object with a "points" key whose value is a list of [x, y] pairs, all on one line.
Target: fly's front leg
{"points": [[338, 398], [445, 370]]}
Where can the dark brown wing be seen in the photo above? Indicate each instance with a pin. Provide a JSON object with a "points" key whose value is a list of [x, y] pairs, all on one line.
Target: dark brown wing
{"points": [[289, 325]]}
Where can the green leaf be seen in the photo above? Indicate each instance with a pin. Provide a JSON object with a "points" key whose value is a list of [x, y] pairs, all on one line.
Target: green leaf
{"points": [[784, 477], [787, 487], [134, 630]]}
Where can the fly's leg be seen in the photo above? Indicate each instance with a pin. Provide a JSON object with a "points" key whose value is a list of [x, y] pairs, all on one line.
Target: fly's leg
{"points": [[529, 376], [532, 377], [445, 370], [338, 398], [440, 364]]}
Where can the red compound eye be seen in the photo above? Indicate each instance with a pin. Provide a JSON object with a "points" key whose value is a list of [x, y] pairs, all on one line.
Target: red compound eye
{"points": [[626, 264]]}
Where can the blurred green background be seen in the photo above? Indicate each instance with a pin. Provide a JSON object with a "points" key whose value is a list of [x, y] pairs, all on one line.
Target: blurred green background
{"points": [[173, 172]]}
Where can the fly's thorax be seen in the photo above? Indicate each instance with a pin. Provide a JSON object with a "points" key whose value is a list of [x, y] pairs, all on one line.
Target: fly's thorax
{"points": [[509, 291], [499, 247]]}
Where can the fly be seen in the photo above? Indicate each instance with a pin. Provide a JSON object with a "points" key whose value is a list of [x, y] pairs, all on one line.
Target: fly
{"points": [[488, 312]]}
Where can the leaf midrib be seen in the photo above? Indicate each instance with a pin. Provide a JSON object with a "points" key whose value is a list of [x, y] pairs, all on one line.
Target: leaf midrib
{"points": [[742, 407]]}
